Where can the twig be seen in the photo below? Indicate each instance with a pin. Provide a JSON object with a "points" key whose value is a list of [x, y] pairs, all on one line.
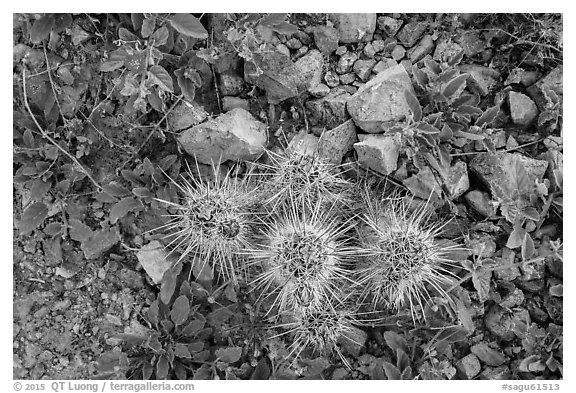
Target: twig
{"points": [[501, 151], [523, 41], [45, 135]]}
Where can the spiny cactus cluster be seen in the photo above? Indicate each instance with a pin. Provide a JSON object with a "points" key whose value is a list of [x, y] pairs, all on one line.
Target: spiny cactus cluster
{"points": [[307, 254]]}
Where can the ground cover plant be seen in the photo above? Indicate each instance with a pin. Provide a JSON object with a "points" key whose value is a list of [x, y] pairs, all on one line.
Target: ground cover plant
{"points": [[288, 196]]}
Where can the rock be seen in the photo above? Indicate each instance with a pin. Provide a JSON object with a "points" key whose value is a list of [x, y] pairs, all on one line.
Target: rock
{"points": [[294, 44], [331, 78], [424, 47], [446, 50], [348, 78], [185, 115], [354, 27], [471, 43], [499, 322], [513, 299], [469, 366], [537, 314], [388, 25], [495, 373], [100, 242], [346, 62], [155, 260], [338, 141], [522, 109], [341, 50], [482, 245], [231, 84], [552, 81], [369, 50], [339, 374], [229, 103], [398, 52], [303, 37], [329, 111], [523, 77], [378, 45], [554, 306], [303, 144], [487, 355], [457, 181], [498, 171], [363, 68], [481, 202], [481, 79], [310, 65], [321, 90], [234, 135], [381, 100], [283, 49], [411, 32], [378, 152], [384, 64]]}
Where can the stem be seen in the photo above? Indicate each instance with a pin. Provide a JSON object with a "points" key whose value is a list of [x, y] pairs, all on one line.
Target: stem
{"points": [[45, 135]]}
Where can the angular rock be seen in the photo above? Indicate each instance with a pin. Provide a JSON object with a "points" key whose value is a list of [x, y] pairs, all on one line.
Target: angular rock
{"points": [[411, 32], [424, 47], [481, 79], [326, 39], [471, 42], [384, 64], [378, 45], [310, 65], [348, 78], [229, 103], [303, 37], [499, 322], [398, 52], [457, 181], [155, 260], [100, 242], [234, 135], [186, 115], [496, 373], [329, 111], [389, 25], [424, 185], [231, 84], [498, 171], [552, 81], [283, 49], [335, 143], [378, 152], [294, 44], [363, 68], [487, 355], [481, 202], [346, 62], [354, 27], [321, 90], [369, 50], [469, 366], [523, 110], [446, 50], [381, 100]]}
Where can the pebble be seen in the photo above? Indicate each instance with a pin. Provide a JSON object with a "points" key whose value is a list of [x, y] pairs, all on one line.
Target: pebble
{"points": [[411, 32], [331, 78], [347, 78], [469, 366], [346, 62], [294, 44], [369, 50], [398, 53], [61, 305], [389, 25], [341, 50], [481, 202], [523, 110], [363, 68]]}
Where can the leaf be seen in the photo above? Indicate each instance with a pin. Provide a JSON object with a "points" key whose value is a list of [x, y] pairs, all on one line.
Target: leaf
{"points": [[557, 290], [284, 28], [414, 105], [78, 230], [488, 117], [180, 310], [188, 25], [126, 35], [181, 351], [528, 249], [193, 328], [161, 78], [115, 189], [392, 372], [153, 312], [180, 371], [453, 334], [41, 28], [454, 88], [481, 279], [402, 360], [162, 367], [229, 355], [262, 371], [148, 25], [123, 207], [143, 192], [32, 217], [395, 341], [39, 189], [202, 270], [160, 36], [516, 238], [169, 283]]}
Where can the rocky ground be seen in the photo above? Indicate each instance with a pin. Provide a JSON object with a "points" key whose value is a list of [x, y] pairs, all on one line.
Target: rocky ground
{"points": [[463, 110]]}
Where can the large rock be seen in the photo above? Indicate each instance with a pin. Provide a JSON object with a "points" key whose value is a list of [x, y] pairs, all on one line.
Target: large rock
{"points": [[457, 181], [234, 135], [310, 66], [354, 27], [381, 100], [552, 81], [481, 79], [186, 115], [326, 39], [411, 32], [389, 25], [424, 47], [99, 243], [378, 152], [522, 109], [330, 111], [335, 143]]}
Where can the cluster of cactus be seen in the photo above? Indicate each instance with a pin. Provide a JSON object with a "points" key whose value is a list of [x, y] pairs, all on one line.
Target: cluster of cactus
{"points": [[288, 230]]}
